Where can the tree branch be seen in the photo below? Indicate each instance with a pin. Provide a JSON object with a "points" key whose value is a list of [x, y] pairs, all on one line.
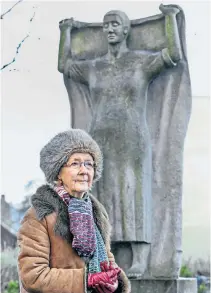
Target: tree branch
{"points": [[2, 15]]}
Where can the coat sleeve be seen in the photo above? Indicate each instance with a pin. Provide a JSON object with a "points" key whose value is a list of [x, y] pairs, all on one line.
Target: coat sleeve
{"points": [[33, 262]]}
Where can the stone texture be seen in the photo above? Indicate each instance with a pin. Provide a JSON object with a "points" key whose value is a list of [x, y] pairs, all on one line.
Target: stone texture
{"points": [[182, 285], [140, 130], [186, 285]]}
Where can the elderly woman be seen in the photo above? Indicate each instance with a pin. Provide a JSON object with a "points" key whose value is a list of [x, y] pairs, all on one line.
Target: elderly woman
{"points": [[64, 238]]}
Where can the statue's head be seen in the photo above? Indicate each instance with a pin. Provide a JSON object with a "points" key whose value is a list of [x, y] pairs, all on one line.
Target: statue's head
{"points": [[116, 25]]}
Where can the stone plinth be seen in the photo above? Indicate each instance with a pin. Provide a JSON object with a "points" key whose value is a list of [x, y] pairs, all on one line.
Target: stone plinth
{"points": [[181, 285]]}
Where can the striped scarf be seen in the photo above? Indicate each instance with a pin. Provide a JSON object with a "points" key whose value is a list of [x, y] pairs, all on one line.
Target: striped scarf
{"points": [[87, 239]]}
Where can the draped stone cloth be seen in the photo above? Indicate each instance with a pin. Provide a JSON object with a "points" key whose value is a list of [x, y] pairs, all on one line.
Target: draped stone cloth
{"points": [[148, 211]]}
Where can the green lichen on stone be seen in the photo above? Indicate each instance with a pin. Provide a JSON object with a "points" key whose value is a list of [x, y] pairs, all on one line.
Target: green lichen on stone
{"points": [[61, 44], [170, 33], [79, 43], [61, 50]]}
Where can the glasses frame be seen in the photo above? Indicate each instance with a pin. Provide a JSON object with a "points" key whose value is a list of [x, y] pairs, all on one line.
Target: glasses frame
{"points": [[79, 166]]}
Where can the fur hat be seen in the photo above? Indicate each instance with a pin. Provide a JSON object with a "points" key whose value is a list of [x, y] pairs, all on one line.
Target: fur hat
{"points": [[58, 150]]}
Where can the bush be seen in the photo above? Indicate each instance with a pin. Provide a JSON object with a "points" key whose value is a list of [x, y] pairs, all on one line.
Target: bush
{"points": [[202, 288], [185, 272], [12, 287]]}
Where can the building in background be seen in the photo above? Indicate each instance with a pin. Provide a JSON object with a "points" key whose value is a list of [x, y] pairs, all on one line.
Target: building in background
{"points": [[8, 234], [11, 215]]}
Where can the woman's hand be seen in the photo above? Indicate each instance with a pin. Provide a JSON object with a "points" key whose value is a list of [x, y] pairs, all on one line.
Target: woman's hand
{"points": [[106, 266], [109, 277], [105, 287], [107, 280]]}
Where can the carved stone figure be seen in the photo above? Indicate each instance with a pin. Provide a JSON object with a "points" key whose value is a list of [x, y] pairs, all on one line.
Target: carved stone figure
{"points": [[134, 100]]}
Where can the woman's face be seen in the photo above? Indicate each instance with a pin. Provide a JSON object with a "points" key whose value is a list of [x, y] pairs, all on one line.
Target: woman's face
{"points": [[113, 28], [77, 174]]}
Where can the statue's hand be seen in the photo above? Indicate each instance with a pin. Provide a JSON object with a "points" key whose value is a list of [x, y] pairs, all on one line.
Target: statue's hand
{"points": [[65, 23], [168, 9]]}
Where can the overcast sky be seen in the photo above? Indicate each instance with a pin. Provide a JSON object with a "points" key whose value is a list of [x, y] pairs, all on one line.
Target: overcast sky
{"points": [[34, 100]]}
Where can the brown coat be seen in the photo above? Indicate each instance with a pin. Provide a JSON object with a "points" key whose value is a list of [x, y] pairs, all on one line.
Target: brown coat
{"points": [[47, 262]]}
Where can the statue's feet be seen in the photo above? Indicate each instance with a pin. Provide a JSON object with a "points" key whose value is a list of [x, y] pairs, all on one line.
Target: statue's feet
{"points": [[136, 271]]}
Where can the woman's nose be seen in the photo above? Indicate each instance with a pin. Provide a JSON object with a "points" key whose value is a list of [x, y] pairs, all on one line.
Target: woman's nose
{"points": [[82, 169]]}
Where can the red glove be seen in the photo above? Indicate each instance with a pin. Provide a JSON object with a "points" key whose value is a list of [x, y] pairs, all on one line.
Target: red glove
{"points": [[106, 288], [107, 266], [109, 277]]}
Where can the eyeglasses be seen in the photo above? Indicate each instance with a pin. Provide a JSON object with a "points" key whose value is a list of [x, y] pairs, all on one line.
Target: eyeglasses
{"points": [[77, 165]]}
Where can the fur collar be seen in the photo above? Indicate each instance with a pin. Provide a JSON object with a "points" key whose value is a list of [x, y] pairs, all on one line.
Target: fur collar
{"points": [[46, 201]]}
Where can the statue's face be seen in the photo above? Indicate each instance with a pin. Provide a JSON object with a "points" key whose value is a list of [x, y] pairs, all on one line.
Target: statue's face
{"points": [[114, 28]]}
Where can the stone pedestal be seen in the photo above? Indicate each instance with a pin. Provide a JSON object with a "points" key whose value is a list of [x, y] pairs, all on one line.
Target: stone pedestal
{"points": [[181, 285]]}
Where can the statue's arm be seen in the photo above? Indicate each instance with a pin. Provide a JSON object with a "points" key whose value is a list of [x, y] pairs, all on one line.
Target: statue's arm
{"points": [[76, 70], [169, 56], [65, 43], [172, 35]]}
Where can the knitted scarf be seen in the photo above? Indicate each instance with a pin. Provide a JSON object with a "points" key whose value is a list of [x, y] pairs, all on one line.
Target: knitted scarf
{"points": [[87, 240]]}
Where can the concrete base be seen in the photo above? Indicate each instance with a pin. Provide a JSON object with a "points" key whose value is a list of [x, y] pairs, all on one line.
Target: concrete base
{"points": [[181, 285]]}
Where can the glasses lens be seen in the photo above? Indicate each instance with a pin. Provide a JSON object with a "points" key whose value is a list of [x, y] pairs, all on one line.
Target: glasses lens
{"points": [[75, 165], [89, 165]]}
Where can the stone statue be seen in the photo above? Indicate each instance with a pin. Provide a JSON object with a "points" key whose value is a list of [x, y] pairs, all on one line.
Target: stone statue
{"points": [[133, 97]]}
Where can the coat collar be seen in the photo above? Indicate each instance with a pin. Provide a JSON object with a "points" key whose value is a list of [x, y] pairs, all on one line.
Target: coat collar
{"points": [[46, 201]]}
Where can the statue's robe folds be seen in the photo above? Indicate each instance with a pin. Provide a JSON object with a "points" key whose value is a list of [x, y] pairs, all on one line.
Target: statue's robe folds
{"points": [[141, 186]]}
